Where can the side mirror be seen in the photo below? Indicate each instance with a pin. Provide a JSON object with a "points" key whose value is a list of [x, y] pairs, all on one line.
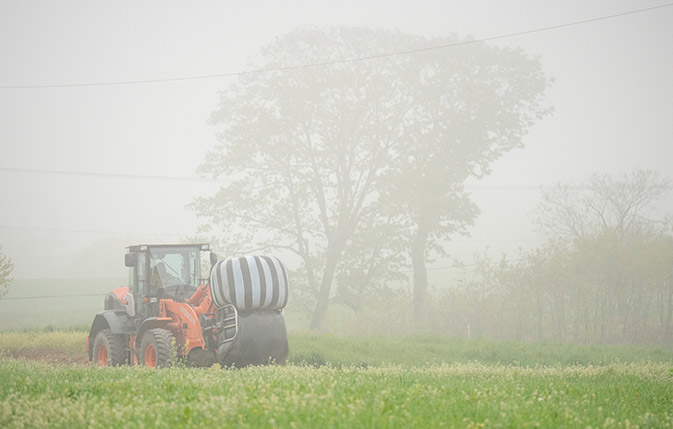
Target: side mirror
{"points": [[213, 259], [130, 305], [130, 259]]}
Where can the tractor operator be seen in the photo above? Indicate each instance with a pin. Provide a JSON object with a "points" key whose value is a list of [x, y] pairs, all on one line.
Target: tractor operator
{"points": [[160, 277]]}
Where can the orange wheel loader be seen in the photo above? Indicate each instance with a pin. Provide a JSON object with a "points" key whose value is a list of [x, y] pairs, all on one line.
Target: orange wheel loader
{"points": [[170, 311]]}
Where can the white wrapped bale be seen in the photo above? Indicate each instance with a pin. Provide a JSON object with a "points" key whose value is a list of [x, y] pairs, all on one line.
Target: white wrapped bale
{"points": [[249, 283]]}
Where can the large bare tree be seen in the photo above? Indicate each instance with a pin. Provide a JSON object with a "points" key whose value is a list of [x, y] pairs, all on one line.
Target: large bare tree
{"points": [[317, 152]]}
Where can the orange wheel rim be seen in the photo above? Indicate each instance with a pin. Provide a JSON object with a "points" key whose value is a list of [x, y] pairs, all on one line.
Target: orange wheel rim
{"points": [[102, 355], [150, 356]]}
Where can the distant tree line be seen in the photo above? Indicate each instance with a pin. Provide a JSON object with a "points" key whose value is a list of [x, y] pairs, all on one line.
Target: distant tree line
{"points": [[605, 275]]}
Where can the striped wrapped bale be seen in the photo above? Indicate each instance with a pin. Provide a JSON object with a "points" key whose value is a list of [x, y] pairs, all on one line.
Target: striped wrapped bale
{"points": [[249, 283]]}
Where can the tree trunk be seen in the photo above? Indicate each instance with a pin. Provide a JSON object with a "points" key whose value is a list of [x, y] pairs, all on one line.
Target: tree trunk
{"points": [[420, 301], [332, 258], [669, 317]]}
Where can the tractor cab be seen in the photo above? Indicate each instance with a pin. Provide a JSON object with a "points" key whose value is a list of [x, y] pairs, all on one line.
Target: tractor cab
{"points": [[170, 271]]}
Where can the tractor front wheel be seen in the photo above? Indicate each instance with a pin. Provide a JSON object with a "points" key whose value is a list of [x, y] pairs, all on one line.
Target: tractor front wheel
{"points": [[157, 348], [108, 349]]}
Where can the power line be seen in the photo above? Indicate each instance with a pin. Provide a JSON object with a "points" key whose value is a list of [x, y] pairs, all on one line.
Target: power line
{"points": [[463, 266], [52, 296], [503, 187], [103, 294], [476, 187], [346, 60], [221, 181], [112, 175], [92, 231], [89, 231]]}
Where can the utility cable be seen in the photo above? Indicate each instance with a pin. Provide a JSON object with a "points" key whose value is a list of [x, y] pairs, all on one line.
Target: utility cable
{"points": [[160, 234], [463, 266], [346, 60], [475, 187], [112, 175], [448, 267], [28, 228], [222, 181], [52, 296]]}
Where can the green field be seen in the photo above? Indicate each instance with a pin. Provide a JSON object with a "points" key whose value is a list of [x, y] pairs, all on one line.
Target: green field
{"points": [[461, 395], [330, 381], [336, 381], [340, 351]]}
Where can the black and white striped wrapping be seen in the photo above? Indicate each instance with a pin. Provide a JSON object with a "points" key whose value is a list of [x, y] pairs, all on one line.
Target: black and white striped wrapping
{"points": [[250, 282]]}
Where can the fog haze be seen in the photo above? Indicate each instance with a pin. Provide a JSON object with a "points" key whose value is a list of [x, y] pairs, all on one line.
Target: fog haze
{"points": [[71, 156]]}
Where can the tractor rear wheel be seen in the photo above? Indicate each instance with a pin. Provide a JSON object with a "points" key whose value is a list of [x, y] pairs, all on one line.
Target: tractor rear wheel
{"points": [[108, 349], [157, 348]]}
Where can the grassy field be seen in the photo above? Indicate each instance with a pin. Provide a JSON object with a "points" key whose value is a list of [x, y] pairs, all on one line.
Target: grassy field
{"points": [[330, 381], [339, 351], [346, 382], [459, 395]]}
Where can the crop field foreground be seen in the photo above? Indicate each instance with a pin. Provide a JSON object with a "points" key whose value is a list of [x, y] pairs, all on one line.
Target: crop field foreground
{"points": [[335, 381], [34, 394]]}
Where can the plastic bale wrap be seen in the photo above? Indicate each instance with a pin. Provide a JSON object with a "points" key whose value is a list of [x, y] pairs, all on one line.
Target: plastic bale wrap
{"points": [[258, 287], [250, 283]]}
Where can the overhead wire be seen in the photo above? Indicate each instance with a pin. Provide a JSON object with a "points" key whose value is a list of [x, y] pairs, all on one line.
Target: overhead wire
{"points": [[51, 296], [206, 180], [164, 234], [345, 60], [280, 69], [475, 187], [320, 64], [89, 231], [448, 267], [112, 175]]}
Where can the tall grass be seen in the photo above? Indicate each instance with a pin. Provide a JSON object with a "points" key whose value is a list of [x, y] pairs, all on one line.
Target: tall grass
{"points": [[457, 395], [332, 381]]}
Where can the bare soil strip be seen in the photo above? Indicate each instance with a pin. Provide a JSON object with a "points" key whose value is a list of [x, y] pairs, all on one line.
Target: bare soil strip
{"points": [[50, 356]]}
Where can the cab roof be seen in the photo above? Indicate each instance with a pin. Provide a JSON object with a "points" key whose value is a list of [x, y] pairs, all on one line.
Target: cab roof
{"points": [[143, 247]]}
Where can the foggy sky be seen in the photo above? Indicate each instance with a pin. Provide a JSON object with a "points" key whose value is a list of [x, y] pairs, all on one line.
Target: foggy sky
{"points": [[613, 100]]}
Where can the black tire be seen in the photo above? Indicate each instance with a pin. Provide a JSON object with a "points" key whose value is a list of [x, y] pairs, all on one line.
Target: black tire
{"points": [[157, 348], [108, 349]]}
